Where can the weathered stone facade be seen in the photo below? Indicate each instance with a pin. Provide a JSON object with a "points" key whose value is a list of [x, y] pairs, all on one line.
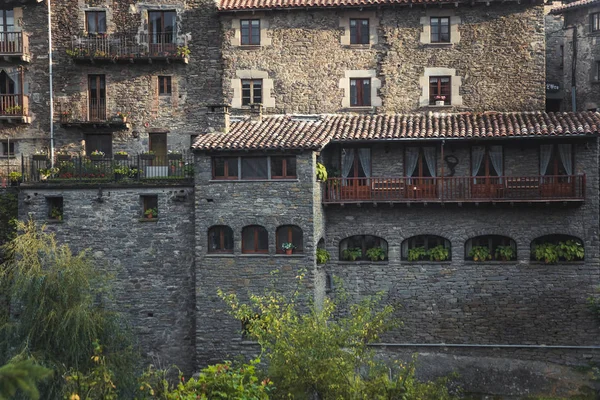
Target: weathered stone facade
{"points": [[499, 45], [555, 58]]}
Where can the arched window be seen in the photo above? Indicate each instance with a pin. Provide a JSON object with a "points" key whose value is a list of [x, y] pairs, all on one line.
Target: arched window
{"points": [[553, 248], [289, 234], [255, 239], [363, 248], [220, 239], [490, 247], [426, 247]]}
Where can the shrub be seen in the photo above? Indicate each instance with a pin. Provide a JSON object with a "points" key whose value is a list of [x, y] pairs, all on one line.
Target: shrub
{"points": [[417, 253], [438, 253], [323, 256], [376, 254], [480, 253]]}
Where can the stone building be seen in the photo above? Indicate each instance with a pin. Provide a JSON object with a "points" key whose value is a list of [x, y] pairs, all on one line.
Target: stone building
{"points": [[581, 66]]}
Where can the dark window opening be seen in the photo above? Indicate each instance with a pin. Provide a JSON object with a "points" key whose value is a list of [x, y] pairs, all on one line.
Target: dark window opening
{"points": [[254, 168], [97, 97], [362, 247], [7, 21], [495, 247], [255, 239], [439, 90], [251, 91], [250, 32], [418, 248], [359, 31], [99, 142], [220, 239], [556, 162], [420, 162], [95, 22], [150, 206], [55, 208], [360, 92], [225, 168], [289, 234], [283, 167], [7, 148], [162, 26], [487, 161], [164, 85], [440, 29], [553, 248], [595, 22]]}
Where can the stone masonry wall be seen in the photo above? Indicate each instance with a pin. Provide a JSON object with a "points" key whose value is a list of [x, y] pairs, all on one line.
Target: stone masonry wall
{"points": [[238, 204], [152, 261], [465, 302], [499, 45], [555, 58]]}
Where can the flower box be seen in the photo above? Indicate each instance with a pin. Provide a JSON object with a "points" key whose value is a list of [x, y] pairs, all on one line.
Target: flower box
{"points": [[175, 156], [439, 102], [40, 157], [147, 156], [121, 156], [63, 157], [96, 158]]}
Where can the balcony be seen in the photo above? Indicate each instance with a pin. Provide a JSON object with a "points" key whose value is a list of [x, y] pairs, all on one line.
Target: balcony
{"points": [[503, 189], [129, 49], [14, 46], [14, 108], [93, 114]]}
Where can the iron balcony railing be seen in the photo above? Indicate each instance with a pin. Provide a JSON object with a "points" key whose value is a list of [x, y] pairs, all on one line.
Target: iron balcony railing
{"points": [[131, 168], [14, 43], [125, 47], [455, 189], [14, 105]]}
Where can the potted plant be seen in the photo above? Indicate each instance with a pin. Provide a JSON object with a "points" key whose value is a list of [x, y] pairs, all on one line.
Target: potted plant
{"points": [[438, 253], [63, 156], [322, 256], [56, 214], [40, 155], [121, 116], [97, 155], [148, 155], [121, 155], [15, 178], [46, 173], [547, 252], [505, 253], [65, 116], [174, 155], [151, 213], [440, 100], [288, 247], [570, 250], [417, 253], [352, 254], [480, 253], [183, 51], [376, 254]]}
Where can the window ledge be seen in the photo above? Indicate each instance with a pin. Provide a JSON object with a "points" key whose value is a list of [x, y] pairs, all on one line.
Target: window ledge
{"points": [[251, 180], [358, 46], [360, 109], [218, 255], [580, 262], [12, 157], [492, 262], [438, 45], [426, 262], [290, 255], [444, 106], [148, 219], [257, 255], [55, 221], [250, 46], [386, 262]]}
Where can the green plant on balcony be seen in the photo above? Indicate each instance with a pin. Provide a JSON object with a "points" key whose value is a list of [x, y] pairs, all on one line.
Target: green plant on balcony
{"points": [[74, 52], [121, 153], [438, 253], [570, 250], [46, 173], [100, 54], [321, 172], [56, 214], [183, 51], [546, 252], [480, 253], [351, 254], [15, 176], [322, 256], [97, 153], [376, 254], [417, 253], [505, 253], [13, 110]]}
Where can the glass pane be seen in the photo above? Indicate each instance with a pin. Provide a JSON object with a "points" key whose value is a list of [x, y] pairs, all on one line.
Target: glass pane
{"points": [[248, 239], [291, 166], [366, 92], [297, 239], [219, 167], [254, 168], [91, 21], [355, 241], [10, 20], [353, 93], [232, 164], [214, 239], [263, 239], [276, 166], [228, 238], [102, 22]]}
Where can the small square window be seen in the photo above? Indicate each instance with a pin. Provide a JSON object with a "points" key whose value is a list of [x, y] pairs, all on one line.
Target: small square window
{"points": [[7, 148], [595, 22], [164, 85], [360, 92], [150, 206], [283, 167], [254, 168], [225, 168], [440, 29], [55, 208], [359, 31], [439, 90], [251, 91], [250, 32], [95, 22]]}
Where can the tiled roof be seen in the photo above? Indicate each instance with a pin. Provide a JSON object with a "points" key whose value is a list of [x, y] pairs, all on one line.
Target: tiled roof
{"points": [[573, 5], [288, 132], [232, 5]]}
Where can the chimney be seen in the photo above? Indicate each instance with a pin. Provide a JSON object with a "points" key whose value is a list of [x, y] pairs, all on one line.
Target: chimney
{"points": [[256, 112], [218, 118]]}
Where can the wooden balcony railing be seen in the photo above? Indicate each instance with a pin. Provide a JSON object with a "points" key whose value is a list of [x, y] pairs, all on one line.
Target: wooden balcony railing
{"points": [[128, 47], [455, 189], [14, 105], [14, 43]]}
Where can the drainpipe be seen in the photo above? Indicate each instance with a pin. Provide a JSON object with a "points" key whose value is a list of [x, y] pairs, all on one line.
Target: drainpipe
{"points": [[51, 84], [573, 72]]}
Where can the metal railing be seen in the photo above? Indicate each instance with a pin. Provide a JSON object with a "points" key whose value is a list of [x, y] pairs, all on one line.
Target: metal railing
{"points": [[14, 105], [455, 189], [14, 43], [120, 46], [131, 168]]}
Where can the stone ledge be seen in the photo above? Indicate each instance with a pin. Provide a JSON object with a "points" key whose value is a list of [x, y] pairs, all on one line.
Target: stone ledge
{"points": [[148, 219], [251, 180]]}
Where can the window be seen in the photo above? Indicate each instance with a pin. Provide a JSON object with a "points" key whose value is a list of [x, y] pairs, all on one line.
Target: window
{"points": [[220, 239], [420, 162], [164, 85], [556, 159], [95, 22], [7, 148], [360, 92], [55, 208], [490, 247], [440, 29], [250, 32], [362, 247], [225, 168], [552, 248], [251, 91], [252, 168], [162, 26], [562, 56], [418, 248], [289, 234], [100, 142], [7, 21], [149, 206], [486, 161], [255, 239], [595, 22], [439, 90], [283, 167], [597, 76], [359, 31], [97, 98]]}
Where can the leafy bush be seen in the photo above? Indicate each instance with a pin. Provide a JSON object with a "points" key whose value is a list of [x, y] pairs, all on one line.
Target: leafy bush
{"points": [[321, 172], [352, 254], [480, 253], [547, 252], [417, 253], [505, 253], [376, 254], [96, 385], [21, 376], [570, 250], [438, 253], [323, 256]]}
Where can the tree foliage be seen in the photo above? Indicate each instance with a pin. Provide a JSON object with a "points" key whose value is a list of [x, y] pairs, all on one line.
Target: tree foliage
{"points": [[21, 376]]}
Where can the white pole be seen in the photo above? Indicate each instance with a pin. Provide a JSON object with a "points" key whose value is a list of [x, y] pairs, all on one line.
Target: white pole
{"points": [[51, 84]]}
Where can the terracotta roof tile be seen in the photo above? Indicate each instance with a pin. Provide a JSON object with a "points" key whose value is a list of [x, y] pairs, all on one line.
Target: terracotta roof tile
{"points": [[280, 132], [573, 5], [231, 5]]}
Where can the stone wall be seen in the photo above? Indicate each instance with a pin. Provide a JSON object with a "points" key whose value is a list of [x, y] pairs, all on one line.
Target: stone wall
{"points": [[555, 57], [499, 45], [588, 54], [152, 261]]}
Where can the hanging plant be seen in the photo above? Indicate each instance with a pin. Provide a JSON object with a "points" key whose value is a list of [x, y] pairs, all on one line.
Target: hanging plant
{"points": [[321, 172]]}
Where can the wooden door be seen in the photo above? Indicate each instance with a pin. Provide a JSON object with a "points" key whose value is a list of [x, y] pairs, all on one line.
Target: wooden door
{"points": [[158, 144], [97, 97]]}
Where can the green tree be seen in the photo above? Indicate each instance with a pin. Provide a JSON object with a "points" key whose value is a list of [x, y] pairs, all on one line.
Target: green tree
{"points": [[21, 376]]}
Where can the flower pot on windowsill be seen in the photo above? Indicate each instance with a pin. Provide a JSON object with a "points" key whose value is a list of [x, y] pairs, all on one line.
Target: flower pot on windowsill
{"points": [[289, 251], [147, 156], [439, 102]]}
